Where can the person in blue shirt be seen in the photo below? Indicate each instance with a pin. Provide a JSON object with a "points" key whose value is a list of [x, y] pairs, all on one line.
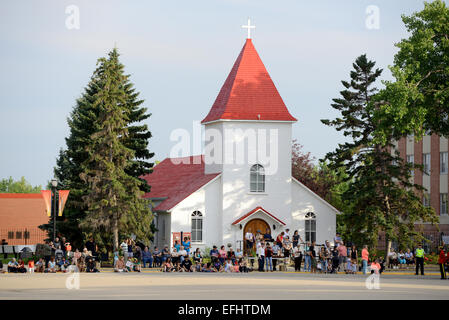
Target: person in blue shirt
{"points": [[177, 245], [186, 245], [214, 254], [147, 256]]}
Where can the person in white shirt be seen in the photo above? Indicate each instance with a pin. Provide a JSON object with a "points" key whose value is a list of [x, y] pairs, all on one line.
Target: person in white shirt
{"points": [[276, 250], [287, 234], [261, 255], [182, 254], [249, 237], [124, 247], [297, 254]]}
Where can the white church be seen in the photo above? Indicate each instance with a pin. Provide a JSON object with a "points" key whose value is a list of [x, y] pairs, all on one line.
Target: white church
{"points": [[243, 181]]}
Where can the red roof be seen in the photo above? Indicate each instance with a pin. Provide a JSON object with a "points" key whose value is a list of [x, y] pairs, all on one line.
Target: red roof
{"points": [[21, 195], [249, 92], [256, 210], [175, 179]]}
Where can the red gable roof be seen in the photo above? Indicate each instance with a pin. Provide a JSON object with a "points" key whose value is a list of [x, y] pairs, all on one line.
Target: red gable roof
{"points": [[257, 209], [175, 179], [249, 92]]}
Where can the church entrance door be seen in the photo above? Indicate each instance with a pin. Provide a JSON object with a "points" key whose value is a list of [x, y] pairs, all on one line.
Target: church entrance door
{"points": [[252, 226]]}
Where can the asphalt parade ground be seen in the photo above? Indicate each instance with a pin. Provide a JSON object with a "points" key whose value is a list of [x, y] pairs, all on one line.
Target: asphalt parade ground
{"points": [[210, 286]]}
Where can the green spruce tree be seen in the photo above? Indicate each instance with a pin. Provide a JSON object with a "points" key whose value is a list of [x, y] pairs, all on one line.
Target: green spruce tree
{"points": [[380, 192], [114, 201], [83, 124]]}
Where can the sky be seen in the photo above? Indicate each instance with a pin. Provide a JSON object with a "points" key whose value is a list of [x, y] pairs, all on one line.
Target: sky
{"points": [[178, 54]]}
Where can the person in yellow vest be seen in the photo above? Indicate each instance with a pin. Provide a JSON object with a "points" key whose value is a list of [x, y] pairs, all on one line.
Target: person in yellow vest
{"points": [[419, 256]]}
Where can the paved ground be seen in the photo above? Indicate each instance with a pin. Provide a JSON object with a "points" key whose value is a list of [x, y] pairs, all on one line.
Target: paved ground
{"points": [[204, 286]]}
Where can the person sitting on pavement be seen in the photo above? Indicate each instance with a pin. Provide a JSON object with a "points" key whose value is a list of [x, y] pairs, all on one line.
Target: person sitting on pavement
{"points": [[183, 254], [120, 265], [51, 265], [40, 265], [13, 266]]}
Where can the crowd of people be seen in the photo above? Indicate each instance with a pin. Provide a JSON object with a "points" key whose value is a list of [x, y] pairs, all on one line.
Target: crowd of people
{"points": [[59, 257], [270, 254]]}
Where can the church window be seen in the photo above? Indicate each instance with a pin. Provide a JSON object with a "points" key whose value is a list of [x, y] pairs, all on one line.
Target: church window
{"points": [[310, 227], [197, 226], [257, 178]]}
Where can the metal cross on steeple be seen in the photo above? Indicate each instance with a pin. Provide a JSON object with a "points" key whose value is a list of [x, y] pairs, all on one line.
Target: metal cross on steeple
{"points": [[249, 27]]}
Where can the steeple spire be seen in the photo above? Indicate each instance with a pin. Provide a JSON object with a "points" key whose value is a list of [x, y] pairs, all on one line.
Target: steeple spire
{"points": [[249, 93]]}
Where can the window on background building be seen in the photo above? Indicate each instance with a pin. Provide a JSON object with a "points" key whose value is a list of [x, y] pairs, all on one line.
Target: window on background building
{"points": [[411, 160], [443, 203], [443, 162], [197, 226], [426, 200], [310, 226], [18, 234], [426, 163], [10, 234], [257, 178]]}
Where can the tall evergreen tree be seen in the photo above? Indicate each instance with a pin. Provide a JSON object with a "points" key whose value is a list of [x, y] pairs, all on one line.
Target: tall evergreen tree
{"points": [[83, 125], [380, 190], [115, 197]]}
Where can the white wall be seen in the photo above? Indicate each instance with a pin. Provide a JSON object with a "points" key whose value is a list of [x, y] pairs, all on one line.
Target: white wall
{"points": [[207, 201], [305, 201], [237, 199]]}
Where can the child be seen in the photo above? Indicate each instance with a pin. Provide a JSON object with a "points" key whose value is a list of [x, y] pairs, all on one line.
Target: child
{"points": [[136, 265], [243, 267], [31, 266], [228, 266], [354, 266], [349, 266]]}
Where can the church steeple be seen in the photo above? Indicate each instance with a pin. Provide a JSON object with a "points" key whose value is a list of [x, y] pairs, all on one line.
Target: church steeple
{"points": [[248, 92]]}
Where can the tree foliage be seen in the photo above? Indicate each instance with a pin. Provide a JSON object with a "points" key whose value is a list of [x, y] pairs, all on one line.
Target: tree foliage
{"points": [[84, 124], [320, 178], [115, 199], [19, 186], [380, 192], [418, 99]]}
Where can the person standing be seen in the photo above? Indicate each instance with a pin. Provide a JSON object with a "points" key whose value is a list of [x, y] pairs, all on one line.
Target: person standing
{"points": [[249, 238], [276, 254], [267, 235], [441, 262], [365, 258], [187, 245], [307, 260], [419, 256], [354, 257], [296, 238], [261, 255], [297, 254], [269, 257], [343, 255]]}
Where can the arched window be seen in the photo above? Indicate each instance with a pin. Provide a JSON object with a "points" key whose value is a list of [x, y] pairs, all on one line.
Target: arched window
{"points": [[197, 226], [257, 178], [310, 227]]}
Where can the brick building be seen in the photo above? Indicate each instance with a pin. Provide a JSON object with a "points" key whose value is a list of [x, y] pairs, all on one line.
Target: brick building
{"points": [[20, 216], [432, 153]]}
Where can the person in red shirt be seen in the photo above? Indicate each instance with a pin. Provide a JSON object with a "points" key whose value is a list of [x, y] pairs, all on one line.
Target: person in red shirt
{"points": [[441, 261]]}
